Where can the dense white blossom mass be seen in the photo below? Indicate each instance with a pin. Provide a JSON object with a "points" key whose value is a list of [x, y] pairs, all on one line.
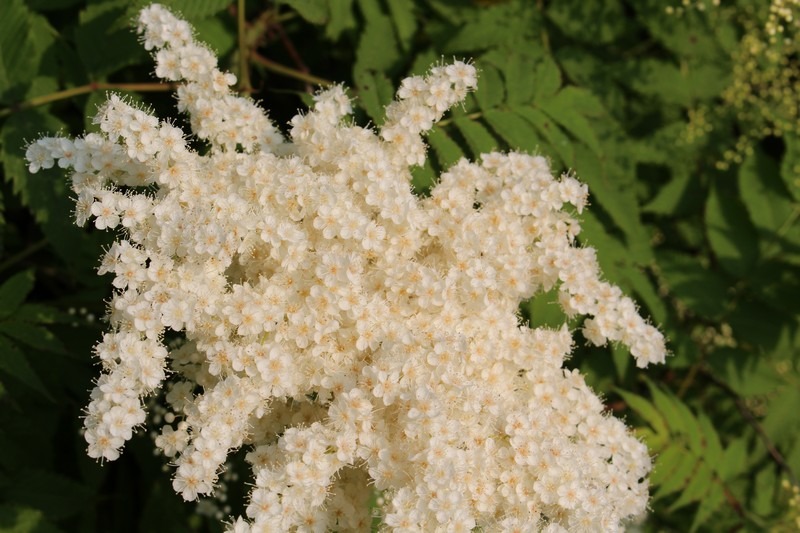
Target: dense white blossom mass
{"points": [[353, 336]]}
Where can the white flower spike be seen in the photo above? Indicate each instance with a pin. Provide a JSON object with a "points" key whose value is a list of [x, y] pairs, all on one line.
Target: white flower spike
{"points": [[353, 336]]}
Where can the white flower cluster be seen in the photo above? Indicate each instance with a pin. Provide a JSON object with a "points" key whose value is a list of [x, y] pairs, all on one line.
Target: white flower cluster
{"points": [[355, 337]]}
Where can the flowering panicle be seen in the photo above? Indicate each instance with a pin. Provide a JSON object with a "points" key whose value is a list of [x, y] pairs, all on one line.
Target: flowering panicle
{"points": [[344, 330]]}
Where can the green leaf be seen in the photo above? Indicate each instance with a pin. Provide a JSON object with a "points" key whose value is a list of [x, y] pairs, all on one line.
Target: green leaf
{"points": [[730, 232], [506, 25], [665, 464], [678, 477], [58, 496], [590, 22], [47, 194], [377, 49], [519, 74], [478, 138], [710, 503], [547, 79], [341, 18], [25, 37], [446, 149], [768, 202], [563, 109], [423, 178], [192, 10], [14, 363], [314, 11], [544, 310], [790, 165], [669, 197], [515, 130], [107, 22], [559, 143], [700, 289], [15, 518], [700, 483], [375, 91], [14, 291], [405, 21], [734, 459], [32, 335], [646, 410], [491, 89]]}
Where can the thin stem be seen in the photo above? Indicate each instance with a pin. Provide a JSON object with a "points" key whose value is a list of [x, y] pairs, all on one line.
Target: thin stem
{"points": [[244, 51], [288, 71], [30, 250], [292, 51], [85, 89]]}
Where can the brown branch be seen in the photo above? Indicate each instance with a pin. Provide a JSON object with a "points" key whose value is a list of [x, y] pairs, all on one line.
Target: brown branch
{"points": [[748, 415], [85, 89], [288, 71], [244, 51]]}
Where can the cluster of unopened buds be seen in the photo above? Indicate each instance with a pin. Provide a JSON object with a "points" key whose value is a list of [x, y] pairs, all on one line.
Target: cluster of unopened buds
{"points": [[294, 297]]}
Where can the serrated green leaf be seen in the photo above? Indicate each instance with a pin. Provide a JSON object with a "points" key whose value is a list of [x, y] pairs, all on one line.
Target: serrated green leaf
{"points": [[544, 310], [689, 426], [16, 50], [518, 71], [790, 165], [515, 130], [193, 10], [590, 22], [768, 202], [478, 138], [58, 496], [341, 18], [213, 32], [40, 314], [423, 178], [559, 144], [375, 91], [622, 363], [714, 453], [14, 363], [667, 407], [506, 25], [446, 149], [377, 48], [701, 290], [405, 21], [562, 109], [646, 410], [107, 22], [14, 291], [314, 11], [25, 37], [47, 194], [32, 335], [734, 459], [670, 196], [677, 478], [666, 462], [780, 422], [16, 518], [547, 79], [709, 504], [730, 232], [492, 90], [701, 482], [763, 500]]}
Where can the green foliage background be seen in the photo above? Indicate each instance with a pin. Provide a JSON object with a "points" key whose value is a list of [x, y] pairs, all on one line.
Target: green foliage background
{"points": [[694, 196]]}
